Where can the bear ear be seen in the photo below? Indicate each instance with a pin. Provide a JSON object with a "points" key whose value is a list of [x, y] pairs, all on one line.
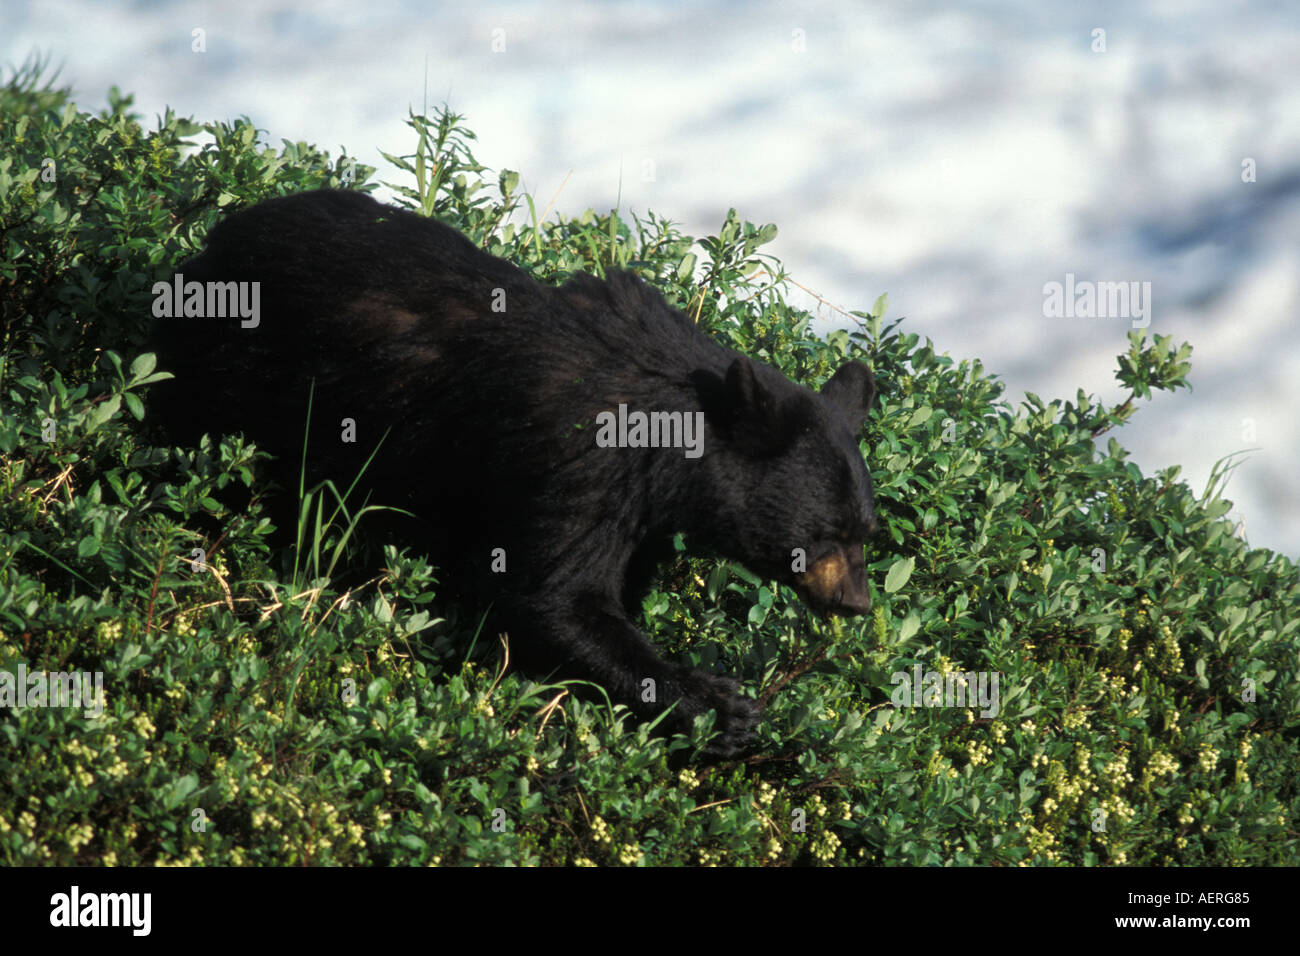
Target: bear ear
{"points": [[743, 409], [851, 389], [747, 398], [741, 387]]}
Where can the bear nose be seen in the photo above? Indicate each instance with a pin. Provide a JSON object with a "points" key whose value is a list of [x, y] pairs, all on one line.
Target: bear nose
{"points": [[853, 604]]}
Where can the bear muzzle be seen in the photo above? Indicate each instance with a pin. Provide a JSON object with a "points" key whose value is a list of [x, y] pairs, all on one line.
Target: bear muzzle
{"points": [[831, 587]]}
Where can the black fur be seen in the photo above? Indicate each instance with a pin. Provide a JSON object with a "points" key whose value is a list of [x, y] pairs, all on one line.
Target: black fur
{"points": [[491, 429]]}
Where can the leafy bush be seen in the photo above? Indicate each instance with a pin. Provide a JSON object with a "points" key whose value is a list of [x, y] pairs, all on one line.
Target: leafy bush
{"points": [[258, 713]]}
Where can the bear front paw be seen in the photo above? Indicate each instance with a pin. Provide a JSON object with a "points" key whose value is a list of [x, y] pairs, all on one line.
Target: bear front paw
{"points": [[736, 718]]}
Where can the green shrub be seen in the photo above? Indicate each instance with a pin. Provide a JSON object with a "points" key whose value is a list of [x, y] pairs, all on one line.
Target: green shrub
{"points": [[258, 712]]}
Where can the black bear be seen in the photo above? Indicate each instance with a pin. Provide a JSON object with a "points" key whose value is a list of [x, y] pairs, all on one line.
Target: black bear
{"points": [[550, 441]]}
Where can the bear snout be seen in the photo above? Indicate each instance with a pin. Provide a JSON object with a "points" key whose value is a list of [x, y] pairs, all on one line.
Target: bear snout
{"points": [[854, 603], [831, 586]]}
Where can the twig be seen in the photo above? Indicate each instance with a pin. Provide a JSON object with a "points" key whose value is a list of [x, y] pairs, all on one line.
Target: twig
{"points": [[153, 594]]}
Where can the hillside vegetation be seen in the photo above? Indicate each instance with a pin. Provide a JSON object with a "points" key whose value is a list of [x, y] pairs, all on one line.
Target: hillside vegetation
{"points": [[258, 710]]}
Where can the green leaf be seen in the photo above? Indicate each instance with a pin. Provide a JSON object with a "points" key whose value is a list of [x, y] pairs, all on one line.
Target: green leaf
{"points": [[103, 412], [173, 795], [898, 574], [412, 842], [716, 581], [686, 268], [143, 365]]}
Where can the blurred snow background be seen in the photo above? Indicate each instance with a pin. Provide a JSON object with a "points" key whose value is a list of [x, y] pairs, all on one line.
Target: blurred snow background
{"points": [[956, 158]]}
